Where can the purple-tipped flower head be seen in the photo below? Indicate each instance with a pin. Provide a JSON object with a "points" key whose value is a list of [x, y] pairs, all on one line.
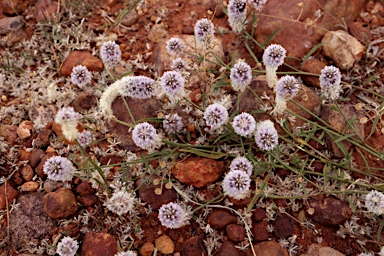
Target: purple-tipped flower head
{"points": [[287, 87], [84, 138], [173, 84], [59, 168], [121, 202], [140, 87], [67, 115], [266, 135], [172, 215], [237, 12], [241, 76], [67, 247], [257, 4], [80, 76], [175, 46], [110, 53], [236, 184], [204, 31], [244, 124], [144, 135], [127, 253], [172, 123], [242, 164], [215, 115], [274, 55], [374, 202], [179, 64], [330, 82]]}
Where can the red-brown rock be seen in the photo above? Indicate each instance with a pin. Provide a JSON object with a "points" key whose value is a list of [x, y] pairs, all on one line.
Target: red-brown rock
{"points": [[27, 172], [235, 232], [270, 248], [194, 246], [228, 249], [99, 244], [12, 7], [220, 219], [198, 172], [260, 231], [360, 31], [313, 66], [87, 200], [259, 214], [85, 188], [9, 132], [283, 226], [45, 10], [84, 58], [60, 204], [11, 195]]}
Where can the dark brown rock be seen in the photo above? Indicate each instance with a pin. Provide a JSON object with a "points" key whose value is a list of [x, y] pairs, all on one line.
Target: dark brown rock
{"points": [[85, 188], [83, 102], [283, 226], [42, 139], [270, 248], [9, 133], [88, 200], [39, 170], [147, 193], [9, 24], [12, 7], [194, 246], [220, 219], [99, 244], [29, 222], [140, 109], [84, 58], [360, 31], [60, 204], [198, 172], [228, 249], [11, 195], [235, 232], [299, 37], [45, 10], [35, 158], [329, 211], [259, 214], [313, 66], [260, 231]]}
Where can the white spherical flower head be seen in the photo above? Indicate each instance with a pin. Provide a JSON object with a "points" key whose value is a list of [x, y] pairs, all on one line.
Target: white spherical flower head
{"points": [[274, 55], [244, 124], [374, 201], [179, 64], [242, 164], [127, 253], [110, 53], [257, 4], [80, 76], [204, 32], [121, 202], [237, 13], [84, 138], [266, 135], [144, 135], [59, 169], [67, 246], [236, 184], [330, 82], [175, 46], [287, 87], [241, 76], [215, 115], [172, 123], [171, 215], [173, 84], [139, 87]]}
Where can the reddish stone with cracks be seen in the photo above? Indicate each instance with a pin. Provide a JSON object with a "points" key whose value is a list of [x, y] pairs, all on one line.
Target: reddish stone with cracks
{"points": [[60, 204], [99, 244], [198, 172]]}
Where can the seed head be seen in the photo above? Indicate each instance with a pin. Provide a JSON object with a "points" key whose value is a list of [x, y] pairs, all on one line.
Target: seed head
{"points": [[172, 123], [241, 76], [59, 168], [244, 124], [266, 135], [80, 76], [242, 164], [215, 115], [236, 184], [175, 46], [172, 216], [110, 53], [274, 55], [287, 87], [204, 31], [257, 4], [173, 84], [67, 247], [121, 202], [144, 135], [140, 87], [237, 12], [374, 201]]}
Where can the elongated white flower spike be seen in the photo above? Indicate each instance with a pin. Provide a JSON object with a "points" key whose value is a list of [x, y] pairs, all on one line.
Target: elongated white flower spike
{"points": [[286, 88], [273, 57], [241, 76], [237, 12], [330, 82]]}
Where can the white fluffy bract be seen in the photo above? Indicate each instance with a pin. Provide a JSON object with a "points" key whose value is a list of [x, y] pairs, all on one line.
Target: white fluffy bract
{"points": [[121, 202]]}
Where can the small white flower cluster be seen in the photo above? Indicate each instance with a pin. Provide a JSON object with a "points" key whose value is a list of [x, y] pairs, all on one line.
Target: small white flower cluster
{"points": [[330, 82], [144, 135], [127, 253], [67, 247], [374, 201], [273, 57], [80, 76], [68, 118], [172, 216], [121, 202], [59, 168]]}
